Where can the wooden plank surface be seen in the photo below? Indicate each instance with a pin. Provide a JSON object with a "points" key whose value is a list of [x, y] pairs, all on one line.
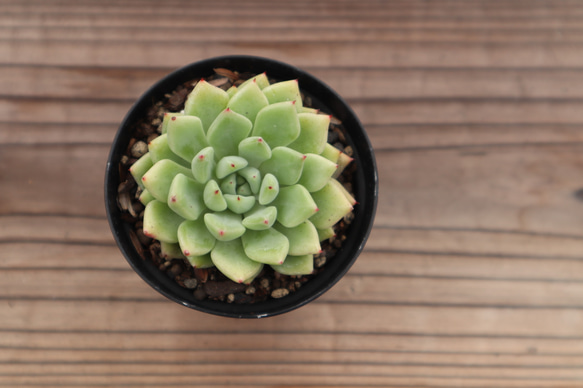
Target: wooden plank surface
{"points": [[473, 274]]}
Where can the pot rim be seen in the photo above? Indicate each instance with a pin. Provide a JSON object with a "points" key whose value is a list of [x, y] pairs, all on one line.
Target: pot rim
{"points": [[365, 187]]}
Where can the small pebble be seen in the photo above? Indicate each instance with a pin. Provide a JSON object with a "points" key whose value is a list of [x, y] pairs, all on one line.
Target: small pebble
{"points": [[230, 298], [175, 270], [349, 151], [190, 283], [250, 290], [279, 293], [139, 149], [199, 294], [265, 283], [319, 261]]}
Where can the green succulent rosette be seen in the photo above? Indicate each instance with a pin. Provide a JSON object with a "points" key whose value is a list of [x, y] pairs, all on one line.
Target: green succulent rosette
{"points": [[243, 178]]}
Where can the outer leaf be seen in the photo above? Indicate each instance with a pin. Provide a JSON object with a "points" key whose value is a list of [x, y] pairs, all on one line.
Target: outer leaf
{"points": [[194, 238], [161, 223], [303, 239], [260, 79], [171, 251], [277, 124], [186, 137], [313, 133], [296, 265], [158, 178], [333, 206], [185, 197], [203, 261], [284, 91], [265, 246], [285, 164], [140, 167], [227, 131], [316, 172], [294, 205], [167, 117], [248, 101], [230, 258], [206, 102], [160, 150]]}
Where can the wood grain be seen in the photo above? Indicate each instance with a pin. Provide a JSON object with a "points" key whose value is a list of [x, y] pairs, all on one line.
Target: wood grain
{"points": [[473, 273]]}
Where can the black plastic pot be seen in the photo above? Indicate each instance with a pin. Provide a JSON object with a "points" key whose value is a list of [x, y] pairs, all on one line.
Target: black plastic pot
{"points": [[365, 187]]}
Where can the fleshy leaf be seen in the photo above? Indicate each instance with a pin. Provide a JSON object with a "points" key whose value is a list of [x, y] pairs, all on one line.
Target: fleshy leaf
{"points": [[253, 177], [260, 79], [146, 197], [232, 91], [296, 265], [167, 117], [348, 196], [203, 165], [225, 226], [158, 178], [333, 206], [244, 189], [194, 238], [255, 150], [285, 164], [277, 124], [260, 218], [186, 137], [140, 167], [227, 131], [343, 161], [161, 223], [313, 133], [171, 251], [269, 189], [229, 165], [248, 101], [331, 153], [325, 234], [206, 102], [284, 91], [203, 261], [185, 197], [317, 172], [160, 150], [213, 197], [303, 239], [239, 204], [230, 258], [229, 184], [265, 246], [294, 205]]}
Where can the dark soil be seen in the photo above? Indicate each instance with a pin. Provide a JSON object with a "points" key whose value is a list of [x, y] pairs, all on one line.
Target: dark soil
{"points": [[211, 283]]}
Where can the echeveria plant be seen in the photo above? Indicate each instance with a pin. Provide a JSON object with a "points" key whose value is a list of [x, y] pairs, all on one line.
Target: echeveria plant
{"points": [[243, 178]]}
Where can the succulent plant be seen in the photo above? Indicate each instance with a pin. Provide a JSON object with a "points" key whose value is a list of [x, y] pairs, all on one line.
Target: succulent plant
{"points": [[243, 178]]}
